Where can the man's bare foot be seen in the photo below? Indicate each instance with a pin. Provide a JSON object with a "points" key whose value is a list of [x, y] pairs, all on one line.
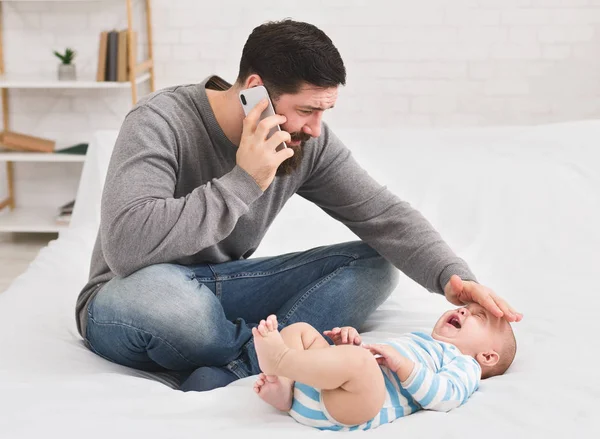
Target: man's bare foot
{"points": [[270, 347], [275, 391]]}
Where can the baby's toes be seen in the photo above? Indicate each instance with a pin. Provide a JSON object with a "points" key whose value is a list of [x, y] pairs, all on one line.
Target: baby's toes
{"points": [[262, 328], [272, 320], [271, 378], [268, 324]]}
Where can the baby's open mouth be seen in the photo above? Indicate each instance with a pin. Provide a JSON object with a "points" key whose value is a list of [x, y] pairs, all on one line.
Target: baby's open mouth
{"points": [[454, 321]]}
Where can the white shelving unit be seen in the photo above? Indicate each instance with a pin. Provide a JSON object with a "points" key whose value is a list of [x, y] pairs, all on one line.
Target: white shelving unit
{"points": [[30, 220], [15, 156], [33, 219], [23, 81], [16, 218]]}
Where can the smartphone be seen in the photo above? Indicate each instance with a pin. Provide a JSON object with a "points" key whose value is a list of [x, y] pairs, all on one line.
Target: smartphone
{"points": [[252, 96]]}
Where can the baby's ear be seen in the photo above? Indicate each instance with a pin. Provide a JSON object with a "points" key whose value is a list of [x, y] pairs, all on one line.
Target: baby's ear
{"points": [[488, 358]]}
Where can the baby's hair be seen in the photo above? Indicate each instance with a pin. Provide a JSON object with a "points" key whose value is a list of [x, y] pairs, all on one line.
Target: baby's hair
{"points": [[507, 353]]}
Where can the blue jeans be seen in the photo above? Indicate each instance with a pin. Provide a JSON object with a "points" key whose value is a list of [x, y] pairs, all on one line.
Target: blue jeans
{"points": [[170, 317]]}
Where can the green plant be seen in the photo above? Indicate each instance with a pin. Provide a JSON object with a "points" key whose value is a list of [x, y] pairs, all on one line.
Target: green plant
{"points": [[68, 56]]}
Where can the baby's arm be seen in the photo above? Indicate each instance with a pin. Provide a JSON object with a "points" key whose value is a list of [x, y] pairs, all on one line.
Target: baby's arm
{"points": [[392, 359], [443, 390], [446, 389]]}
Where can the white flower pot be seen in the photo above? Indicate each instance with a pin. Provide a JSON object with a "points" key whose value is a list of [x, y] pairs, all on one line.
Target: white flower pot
{"points": [[67, 72]]}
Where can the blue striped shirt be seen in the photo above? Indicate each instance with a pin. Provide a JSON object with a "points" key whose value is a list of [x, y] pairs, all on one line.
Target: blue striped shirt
{"points": [[442, 379]]}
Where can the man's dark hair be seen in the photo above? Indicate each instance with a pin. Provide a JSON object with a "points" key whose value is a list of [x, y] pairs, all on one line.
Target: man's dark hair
{"points": [[287, 53]]}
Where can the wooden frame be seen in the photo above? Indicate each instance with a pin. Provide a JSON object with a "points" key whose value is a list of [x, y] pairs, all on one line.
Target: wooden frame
{"points": [[10, 200], [133, 68]]}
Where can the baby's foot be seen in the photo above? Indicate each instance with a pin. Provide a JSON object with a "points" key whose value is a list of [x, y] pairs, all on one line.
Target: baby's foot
{"points": [[270, 347], [275, 391]]}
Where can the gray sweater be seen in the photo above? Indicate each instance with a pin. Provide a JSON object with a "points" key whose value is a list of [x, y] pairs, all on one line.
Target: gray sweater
{"points": [[174, 193]]}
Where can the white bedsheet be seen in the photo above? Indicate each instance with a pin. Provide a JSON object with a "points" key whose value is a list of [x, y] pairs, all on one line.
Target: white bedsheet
{"points": [[521, 205]]}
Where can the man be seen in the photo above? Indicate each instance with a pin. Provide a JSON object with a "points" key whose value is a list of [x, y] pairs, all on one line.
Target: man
{"points": [[192, 188]]}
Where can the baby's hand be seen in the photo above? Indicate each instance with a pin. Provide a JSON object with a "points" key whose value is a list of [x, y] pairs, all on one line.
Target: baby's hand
{"points": [[344, 335], [389, 357]]}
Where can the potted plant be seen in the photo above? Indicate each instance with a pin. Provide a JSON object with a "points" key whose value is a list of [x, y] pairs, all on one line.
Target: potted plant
{"points": [[66, 69]]}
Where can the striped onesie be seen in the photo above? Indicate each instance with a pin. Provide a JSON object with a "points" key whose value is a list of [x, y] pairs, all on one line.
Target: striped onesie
{"points": [[442, 379]]}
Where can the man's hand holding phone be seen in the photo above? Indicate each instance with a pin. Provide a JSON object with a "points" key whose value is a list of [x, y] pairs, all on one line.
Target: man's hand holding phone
{"points": [[256, 154]]}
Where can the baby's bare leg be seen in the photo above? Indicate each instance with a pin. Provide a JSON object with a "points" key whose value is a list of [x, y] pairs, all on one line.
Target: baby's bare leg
{"points": [[278, 391], [361, 398], [302, 336], [349, 376]]}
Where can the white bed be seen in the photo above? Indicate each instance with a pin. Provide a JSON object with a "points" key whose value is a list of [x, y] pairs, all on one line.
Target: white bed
{"points": [[520, 204]]}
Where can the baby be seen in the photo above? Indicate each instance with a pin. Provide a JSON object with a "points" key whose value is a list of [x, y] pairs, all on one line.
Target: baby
{"points": [[353, 386]]}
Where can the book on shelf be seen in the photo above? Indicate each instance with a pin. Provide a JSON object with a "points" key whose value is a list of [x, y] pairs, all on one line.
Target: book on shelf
{"points": [[79, 149], [67, 207], [113, 55], [101, 74], [64, 213], [122, 56], [63, 219]]}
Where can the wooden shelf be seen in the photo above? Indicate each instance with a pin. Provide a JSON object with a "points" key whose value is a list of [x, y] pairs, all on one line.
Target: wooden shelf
{"points": [[13, 80], [30, 219], [17, 156]]}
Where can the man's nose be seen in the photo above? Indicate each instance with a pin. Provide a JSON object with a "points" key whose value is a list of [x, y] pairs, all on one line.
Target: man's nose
{"points": [[314, 127]]}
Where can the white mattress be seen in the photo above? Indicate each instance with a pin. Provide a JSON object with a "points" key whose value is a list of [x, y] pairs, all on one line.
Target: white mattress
{"points": [[522, 205]]}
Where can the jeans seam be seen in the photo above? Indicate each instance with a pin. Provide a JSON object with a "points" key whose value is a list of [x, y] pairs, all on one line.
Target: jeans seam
{"points": [[353, 256], [143, 331], [192, 275], [218, 288], [212, 270], [309, 292], [95, 351], [237, 365], [215, 279]]}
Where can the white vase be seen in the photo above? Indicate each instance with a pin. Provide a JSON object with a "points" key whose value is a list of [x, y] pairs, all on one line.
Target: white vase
{"points": [[67, 72]]}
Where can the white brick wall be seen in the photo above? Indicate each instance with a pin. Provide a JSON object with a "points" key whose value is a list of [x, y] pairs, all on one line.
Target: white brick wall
{"points": [[426, 63], [434, 51]]}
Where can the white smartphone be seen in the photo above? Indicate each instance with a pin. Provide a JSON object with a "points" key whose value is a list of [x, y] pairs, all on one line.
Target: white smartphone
{"points": [[252, 96]]}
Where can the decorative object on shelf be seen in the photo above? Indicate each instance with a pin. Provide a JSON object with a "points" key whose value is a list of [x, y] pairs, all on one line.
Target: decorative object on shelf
{"points": [[22, 142], [66, 69]]}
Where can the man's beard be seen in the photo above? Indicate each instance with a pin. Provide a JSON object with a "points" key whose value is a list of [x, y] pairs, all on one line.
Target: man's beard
{"points": [[290, 165]]}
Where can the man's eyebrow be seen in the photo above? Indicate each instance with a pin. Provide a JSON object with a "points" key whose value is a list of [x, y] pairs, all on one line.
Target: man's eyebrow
{"points": [[315, 108]]}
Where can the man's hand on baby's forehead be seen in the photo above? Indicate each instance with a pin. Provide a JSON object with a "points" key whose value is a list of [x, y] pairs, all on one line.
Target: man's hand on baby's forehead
{"points": [[461, 292]]}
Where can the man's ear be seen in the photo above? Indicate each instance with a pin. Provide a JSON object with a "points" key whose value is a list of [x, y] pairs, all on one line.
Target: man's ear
{"points": [[253, 80], [489, 358]]}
